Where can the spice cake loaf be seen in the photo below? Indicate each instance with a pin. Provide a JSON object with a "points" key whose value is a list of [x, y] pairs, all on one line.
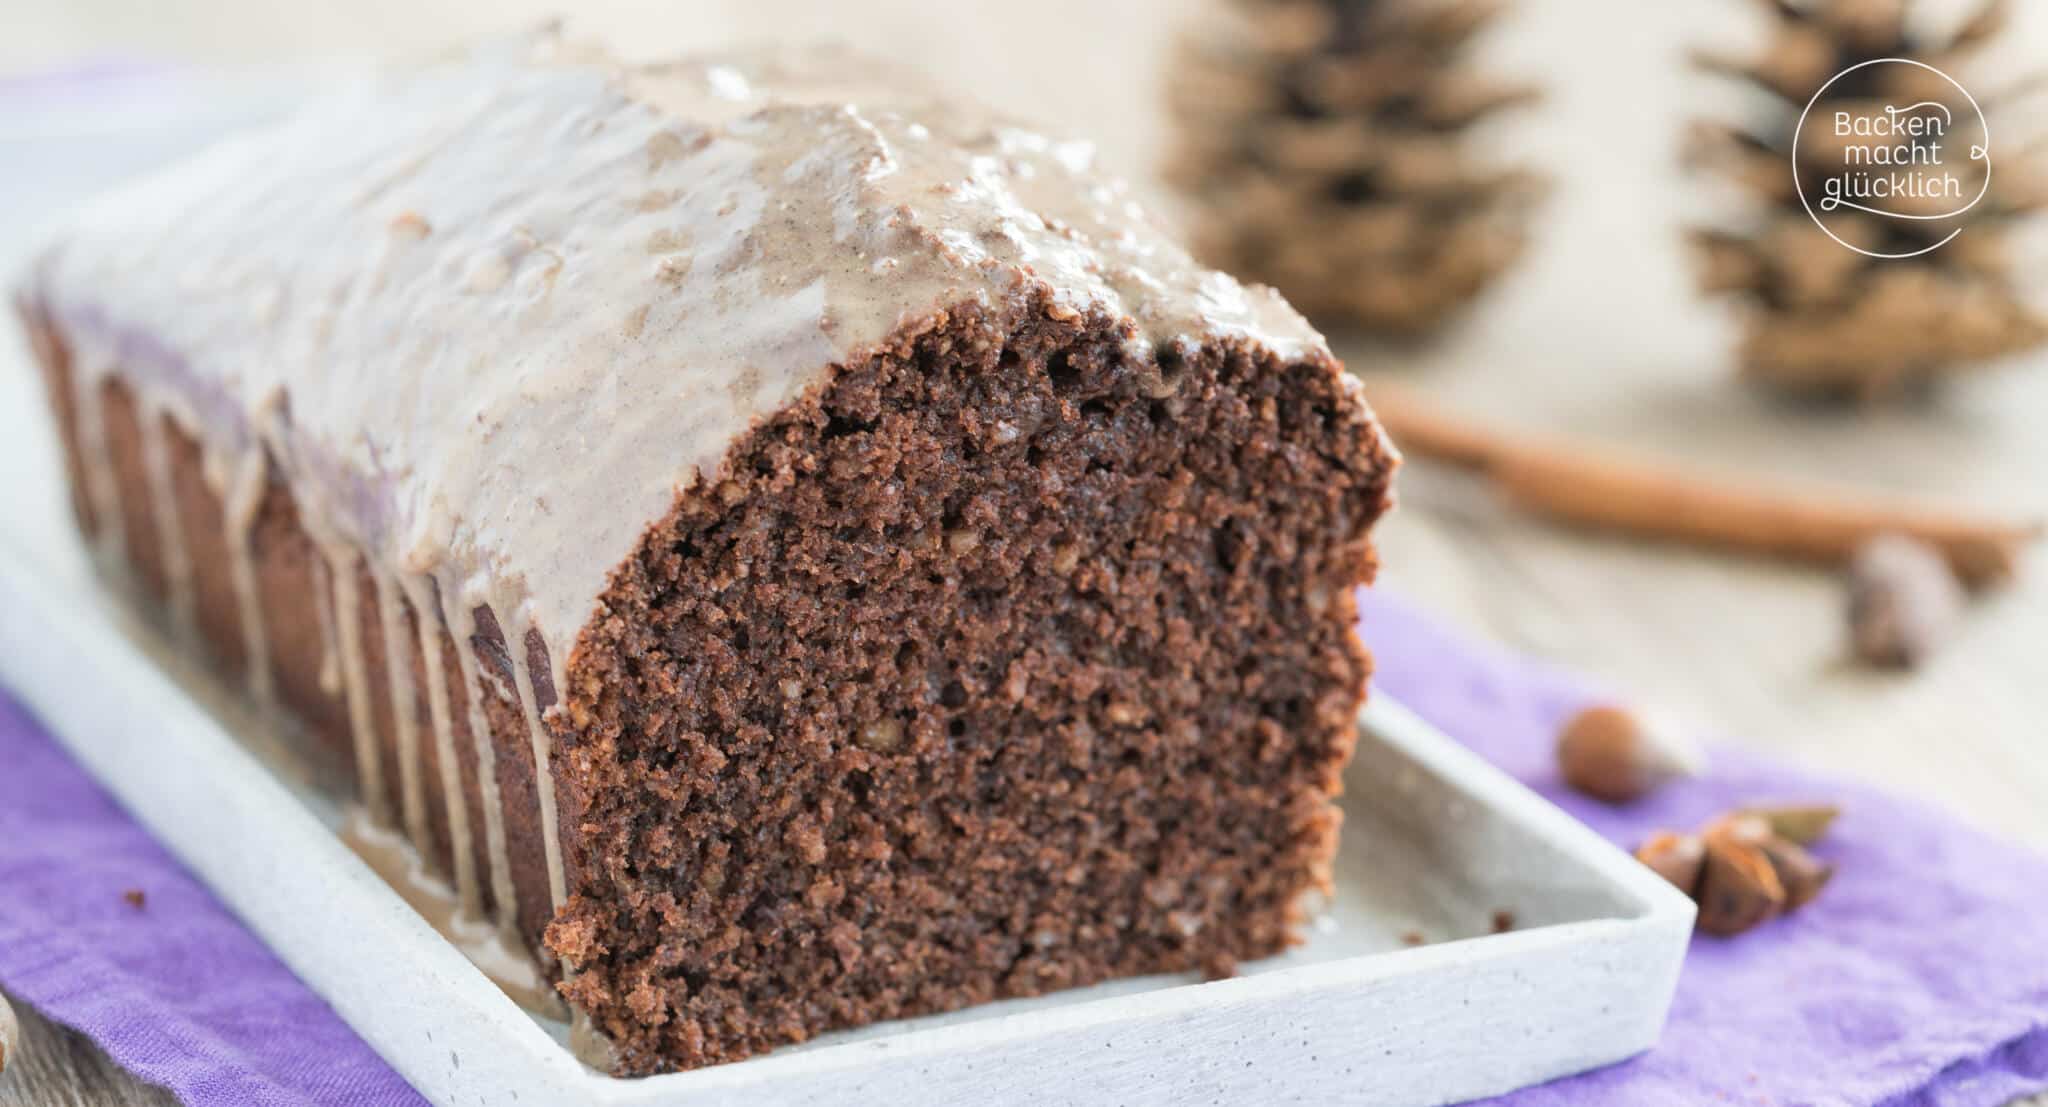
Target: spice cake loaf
{"points": [[793, 549]]}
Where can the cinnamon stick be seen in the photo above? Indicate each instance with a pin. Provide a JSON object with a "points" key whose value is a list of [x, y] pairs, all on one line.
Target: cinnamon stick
{"points": [[1427, 430], [1590, 488]]}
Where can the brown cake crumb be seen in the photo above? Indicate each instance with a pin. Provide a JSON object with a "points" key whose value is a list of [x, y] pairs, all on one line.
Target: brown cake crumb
{"points": [[916, 712]]}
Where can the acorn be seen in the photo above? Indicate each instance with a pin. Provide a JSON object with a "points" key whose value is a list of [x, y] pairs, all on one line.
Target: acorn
{"points": [[1612, 754]]}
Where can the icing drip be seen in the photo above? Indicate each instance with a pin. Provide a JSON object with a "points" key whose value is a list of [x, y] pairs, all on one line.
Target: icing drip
{"points": [[323, 612], [421, 594], [177, 557], [97, 460], [241, 500], [341, 570], [404, 708], [543, 768], [462, 629]]}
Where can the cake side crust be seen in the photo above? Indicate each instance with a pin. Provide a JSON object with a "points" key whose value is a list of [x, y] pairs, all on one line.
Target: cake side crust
{"points": [[295, 678]]}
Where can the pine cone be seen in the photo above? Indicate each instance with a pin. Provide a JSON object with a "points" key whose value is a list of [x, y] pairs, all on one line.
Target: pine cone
{"points": [[1321, 148], [1820, 317]]}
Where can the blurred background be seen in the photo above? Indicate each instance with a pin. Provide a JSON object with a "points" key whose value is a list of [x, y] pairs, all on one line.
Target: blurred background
{"points": [[1594, 331]]}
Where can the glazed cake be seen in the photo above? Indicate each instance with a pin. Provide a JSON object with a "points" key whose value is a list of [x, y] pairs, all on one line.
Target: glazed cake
{"points": [[790, 549]]}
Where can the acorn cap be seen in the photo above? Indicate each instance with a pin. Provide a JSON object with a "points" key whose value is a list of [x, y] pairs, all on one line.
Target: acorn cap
{"points": [[1799, 823]]}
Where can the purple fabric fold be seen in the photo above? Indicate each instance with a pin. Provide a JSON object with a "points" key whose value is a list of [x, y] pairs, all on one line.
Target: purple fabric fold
{"points": [[1919, 980], [172, 987]]}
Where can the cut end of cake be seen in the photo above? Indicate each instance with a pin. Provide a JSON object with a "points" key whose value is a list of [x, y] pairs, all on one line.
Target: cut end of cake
{"points": [[1003, 662]]}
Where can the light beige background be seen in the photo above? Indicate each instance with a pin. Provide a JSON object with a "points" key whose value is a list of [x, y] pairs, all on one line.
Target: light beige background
{"points": [[1598, 336]]}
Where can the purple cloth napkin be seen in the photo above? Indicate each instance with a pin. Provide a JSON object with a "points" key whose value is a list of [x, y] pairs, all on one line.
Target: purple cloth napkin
{"points": [[1919, 980], [173, 988]]}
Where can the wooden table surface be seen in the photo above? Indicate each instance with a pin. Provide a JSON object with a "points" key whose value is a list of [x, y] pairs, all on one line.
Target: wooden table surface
{"points": [[1597, 336]]}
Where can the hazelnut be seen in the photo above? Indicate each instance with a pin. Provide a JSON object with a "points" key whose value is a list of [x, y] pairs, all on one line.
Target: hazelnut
{"points": [[1677, 858], [1610, 754], [1903, 601]]}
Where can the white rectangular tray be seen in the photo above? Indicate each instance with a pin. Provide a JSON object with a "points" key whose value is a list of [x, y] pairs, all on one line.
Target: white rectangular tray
{"points": [[1435, 844]]}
